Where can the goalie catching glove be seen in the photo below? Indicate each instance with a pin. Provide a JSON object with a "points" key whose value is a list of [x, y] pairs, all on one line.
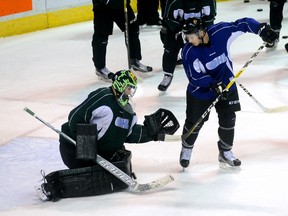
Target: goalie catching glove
{"points": [[160, 123]]}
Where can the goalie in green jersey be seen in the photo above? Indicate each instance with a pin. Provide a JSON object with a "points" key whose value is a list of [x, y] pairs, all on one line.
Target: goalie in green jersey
{"points": [[101, 125]]}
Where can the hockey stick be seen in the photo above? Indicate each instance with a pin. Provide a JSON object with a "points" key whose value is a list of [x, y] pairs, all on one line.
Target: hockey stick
{"points": [[265, 109], [126, 34], [185, 136], [134, 185]]}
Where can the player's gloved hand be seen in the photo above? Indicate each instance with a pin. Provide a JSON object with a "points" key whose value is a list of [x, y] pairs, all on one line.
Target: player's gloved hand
{"points": [[267, 34], [219, 89]]}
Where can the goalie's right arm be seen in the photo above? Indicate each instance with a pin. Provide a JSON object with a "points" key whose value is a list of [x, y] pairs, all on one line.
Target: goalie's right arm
{"points": [[160, 123], [155, 127]]}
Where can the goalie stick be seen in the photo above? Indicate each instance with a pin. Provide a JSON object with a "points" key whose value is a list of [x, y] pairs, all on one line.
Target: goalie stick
{"points": [[134, 185], [265, 109]]}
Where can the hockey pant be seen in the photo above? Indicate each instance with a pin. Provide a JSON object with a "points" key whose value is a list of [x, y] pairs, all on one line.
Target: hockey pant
{"points": [[172, 46], [87, 181], [226, 118], [276, 14]]}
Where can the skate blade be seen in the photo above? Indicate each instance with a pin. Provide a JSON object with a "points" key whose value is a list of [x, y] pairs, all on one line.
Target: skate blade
{"points": [[142, 74], [227, 167], [40, 193], [100, 78], [161, 93]]}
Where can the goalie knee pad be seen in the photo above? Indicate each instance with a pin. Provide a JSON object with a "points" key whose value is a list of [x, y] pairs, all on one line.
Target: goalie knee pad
{"points": [[87, 181]]}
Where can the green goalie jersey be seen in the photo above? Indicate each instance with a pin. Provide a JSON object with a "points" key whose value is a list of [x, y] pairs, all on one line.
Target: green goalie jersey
{"points": [[115, 125]]}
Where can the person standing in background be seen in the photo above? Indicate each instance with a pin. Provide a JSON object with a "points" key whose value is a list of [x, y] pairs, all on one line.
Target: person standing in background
{"points": [[276, 17], [175, 14], [106, 12], [148, 12]]}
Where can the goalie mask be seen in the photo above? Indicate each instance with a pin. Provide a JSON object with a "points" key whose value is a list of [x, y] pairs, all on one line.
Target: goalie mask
{"points": [[125, 84]]}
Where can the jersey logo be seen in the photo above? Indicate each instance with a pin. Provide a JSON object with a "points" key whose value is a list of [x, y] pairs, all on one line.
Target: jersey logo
{"points": [[122, 123], [216, 62]]}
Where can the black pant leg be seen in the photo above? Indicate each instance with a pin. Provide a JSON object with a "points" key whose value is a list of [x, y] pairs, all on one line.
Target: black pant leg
{"points": [[134, 42], [152, 12], [142, 8], [171, 50], [103, 27], [276, 14]]}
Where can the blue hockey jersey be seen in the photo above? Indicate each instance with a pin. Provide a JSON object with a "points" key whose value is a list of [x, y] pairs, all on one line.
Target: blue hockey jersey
{"points": [[207, 65]]}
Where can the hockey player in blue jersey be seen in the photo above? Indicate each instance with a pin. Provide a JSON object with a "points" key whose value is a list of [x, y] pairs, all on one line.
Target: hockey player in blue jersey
{"points": [[207, 63]]}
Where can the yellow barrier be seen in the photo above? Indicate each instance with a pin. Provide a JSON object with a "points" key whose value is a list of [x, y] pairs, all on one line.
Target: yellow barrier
{"points": [[48, 20]]}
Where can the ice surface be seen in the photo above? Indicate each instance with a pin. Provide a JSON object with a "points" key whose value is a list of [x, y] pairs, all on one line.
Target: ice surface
{"points": [[51, 72]]}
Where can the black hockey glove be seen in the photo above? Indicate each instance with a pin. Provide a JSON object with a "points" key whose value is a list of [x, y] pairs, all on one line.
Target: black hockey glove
{"points": [[267, 34], [219, 89], [160, 123]]}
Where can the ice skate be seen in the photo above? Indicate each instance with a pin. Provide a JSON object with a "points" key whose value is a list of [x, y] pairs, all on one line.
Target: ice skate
{"points": [[273, 46], [138, 66], [185, 156], [228, 161], [165, 82], [179, 61], [42, 193], [104, 74]]}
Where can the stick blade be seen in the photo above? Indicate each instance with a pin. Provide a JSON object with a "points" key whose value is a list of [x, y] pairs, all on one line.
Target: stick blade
{"points": [[172, 138], [153, 186], [277, 109]]}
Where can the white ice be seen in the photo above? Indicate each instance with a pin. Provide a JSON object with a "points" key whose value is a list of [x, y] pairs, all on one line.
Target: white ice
{"points": [[51, 72]]}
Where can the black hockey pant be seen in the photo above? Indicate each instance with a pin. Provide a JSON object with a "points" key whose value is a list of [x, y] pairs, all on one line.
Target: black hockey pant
{"points": [[226, 118], [172, 47], [276, 14]]}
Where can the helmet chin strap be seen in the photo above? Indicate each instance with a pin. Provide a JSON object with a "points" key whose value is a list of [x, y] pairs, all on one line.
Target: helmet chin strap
{"points": [[202, 38]]}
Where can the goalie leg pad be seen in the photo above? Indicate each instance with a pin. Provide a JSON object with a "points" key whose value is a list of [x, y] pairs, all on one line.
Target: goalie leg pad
{"points": [[87, 181]]}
